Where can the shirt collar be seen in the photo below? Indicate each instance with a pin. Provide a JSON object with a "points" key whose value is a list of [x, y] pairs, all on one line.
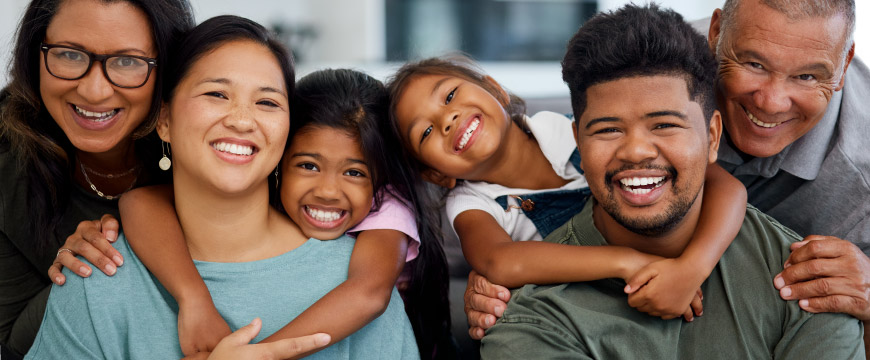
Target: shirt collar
{"points": [[802, 158]]}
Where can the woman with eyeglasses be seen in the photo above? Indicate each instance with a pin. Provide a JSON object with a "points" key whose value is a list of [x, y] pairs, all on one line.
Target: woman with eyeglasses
{"points": [[76, 125]]}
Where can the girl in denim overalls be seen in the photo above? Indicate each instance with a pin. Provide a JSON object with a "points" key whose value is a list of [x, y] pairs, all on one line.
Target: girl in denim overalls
{"points": [[516, 178]]}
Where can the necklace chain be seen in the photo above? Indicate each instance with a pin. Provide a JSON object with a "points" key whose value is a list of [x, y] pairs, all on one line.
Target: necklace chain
{"points": [[100, 193], [109, 176]]}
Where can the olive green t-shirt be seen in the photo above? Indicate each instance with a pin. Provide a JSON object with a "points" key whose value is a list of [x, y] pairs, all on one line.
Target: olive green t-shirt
{"points": [[744, 317]]}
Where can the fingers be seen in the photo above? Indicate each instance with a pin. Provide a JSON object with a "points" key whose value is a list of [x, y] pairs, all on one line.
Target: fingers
{"points": [[486, 304], [689, 315], [478, 319], [92, 253], [287, 348], [90, 232], [67, 259], [815, 246], [639, 279], [697, 305], [481, 285], [245, 334], [809, 270], [821, 287], [836, 303], [476, 333], [109, 226]]}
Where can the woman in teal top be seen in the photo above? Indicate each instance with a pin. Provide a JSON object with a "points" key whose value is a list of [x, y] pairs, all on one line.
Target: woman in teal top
{"points": [[227, 121]]}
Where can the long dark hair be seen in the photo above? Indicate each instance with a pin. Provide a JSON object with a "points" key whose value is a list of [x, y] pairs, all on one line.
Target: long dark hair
{"points": [[41, 147], [354, 102]]}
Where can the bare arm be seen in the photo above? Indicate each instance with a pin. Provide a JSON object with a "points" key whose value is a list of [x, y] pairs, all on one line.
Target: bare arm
{"points": [[152, 229], [376, 262], [492, 253]]}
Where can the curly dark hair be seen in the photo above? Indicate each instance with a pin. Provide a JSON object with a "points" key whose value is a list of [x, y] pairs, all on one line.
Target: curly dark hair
{"points": [[639, 41]]}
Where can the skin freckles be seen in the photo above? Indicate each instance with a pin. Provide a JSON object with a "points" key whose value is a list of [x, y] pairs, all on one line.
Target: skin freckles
{"points": [[776, 75]]}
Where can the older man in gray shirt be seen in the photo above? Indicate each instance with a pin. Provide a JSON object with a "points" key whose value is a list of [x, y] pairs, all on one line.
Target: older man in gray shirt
{"points": [[796, 134]]}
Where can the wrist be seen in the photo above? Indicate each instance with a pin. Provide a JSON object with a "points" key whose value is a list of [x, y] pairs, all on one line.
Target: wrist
{"points": [[194, 298]]}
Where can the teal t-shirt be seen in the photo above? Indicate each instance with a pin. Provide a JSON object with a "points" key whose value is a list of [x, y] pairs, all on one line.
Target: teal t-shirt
{"points": [[744, 317], [131, 316]]}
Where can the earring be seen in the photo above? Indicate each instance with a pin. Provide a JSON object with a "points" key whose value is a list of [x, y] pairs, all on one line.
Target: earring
{"points": [[165, 163], [277, 179]]}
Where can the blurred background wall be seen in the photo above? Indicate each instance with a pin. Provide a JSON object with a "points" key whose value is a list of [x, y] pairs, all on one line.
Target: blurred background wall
{"points": [[519, 42]]}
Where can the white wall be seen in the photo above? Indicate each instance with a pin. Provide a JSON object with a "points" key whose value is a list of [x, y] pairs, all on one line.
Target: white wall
{"points": [[352, 31]]}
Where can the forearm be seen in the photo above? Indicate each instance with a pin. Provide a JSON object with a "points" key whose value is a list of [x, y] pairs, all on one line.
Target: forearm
{"points": [[515, 264], [722, 212], [376, 262], [162, 248]]}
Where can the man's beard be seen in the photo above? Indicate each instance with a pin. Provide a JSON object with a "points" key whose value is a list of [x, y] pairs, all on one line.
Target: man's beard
{"points": [[659, 224]]}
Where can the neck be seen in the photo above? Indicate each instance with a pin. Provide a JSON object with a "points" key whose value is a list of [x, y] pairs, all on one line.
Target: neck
{"points": [[110, 171], [519, 156], [231, 227], [669, 245]]}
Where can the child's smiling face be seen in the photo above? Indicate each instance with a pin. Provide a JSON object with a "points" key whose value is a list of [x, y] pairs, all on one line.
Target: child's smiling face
{"points": [[451, 125], [326, 185]]}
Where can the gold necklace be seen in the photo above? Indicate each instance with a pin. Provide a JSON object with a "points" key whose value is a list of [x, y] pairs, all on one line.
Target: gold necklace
{"points": [[109, 176], [100, 193]]}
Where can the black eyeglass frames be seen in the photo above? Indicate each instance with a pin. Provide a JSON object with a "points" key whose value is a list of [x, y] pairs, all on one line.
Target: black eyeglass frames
{"points": [[69, 63]]}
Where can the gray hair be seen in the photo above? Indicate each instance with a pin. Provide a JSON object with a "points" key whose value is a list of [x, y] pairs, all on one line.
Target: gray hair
{"points": [[797, 10]]}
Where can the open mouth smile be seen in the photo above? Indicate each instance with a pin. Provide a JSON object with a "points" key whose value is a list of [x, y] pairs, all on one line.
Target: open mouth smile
{"points": [[469, 132], [234, 149], [758, 122], [641, 185]]}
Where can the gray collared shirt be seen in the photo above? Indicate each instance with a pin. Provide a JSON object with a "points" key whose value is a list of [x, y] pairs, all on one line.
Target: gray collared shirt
{"points": [[820, 184]]}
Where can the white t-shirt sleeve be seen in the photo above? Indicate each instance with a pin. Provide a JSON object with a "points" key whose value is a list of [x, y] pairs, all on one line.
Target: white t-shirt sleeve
{"points": [[464, 198]]}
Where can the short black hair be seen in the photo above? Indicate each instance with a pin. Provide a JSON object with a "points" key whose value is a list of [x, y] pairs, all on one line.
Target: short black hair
{"points": [[639, 41]]}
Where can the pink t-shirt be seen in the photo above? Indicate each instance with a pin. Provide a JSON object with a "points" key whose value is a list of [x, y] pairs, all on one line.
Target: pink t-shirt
{"points": [[393, 215]]}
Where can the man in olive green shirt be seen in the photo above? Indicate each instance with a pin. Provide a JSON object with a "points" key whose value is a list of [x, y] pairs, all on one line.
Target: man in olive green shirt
{"points": [[647, 128]]}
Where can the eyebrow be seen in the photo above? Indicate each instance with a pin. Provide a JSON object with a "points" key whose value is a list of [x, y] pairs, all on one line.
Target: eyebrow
{"points": [[438, 84], [225, 81], [115, 52], [319, 157], [653, 114]]}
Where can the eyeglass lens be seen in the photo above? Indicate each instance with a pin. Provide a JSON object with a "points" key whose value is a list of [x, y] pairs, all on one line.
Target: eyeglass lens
{"points": [[72, 64]]}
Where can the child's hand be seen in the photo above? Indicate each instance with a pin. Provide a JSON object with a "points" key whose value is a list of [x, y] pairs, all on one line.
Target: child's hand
{"points": [[200, 328], [666, 288], [484, 303], [236, 345]]}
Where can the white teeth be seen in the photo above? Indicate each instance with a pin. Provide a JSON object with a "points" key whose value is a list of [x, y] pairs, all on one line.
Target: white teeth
{"points": [[233, 148], [759, 122], [98, 116], [641, 181], [464, 141], [321, 215]]}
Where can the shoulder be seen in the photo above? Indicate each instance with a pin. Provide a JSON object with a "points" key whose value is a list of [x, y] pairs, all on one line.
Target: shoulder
{"points": [[13, 193]]}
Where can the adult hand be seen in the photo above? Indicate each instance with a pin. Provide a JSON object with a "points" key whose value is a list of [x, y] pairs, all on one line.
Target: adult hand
{"points": [[236, 345], [666, 288], [93, 240], [827, 274], [484, 303], [200, 328]]}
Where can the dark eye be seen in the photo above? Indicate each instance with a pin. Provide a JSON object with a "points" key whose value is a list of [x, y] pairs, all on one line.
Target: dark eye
{"points": [[269, 103], [426, 133], [450, 96], [72, 56], [355, 173], [308, 166], [123, 62], [606, 131], [806, 77], [756, 65], [665, 126], [216, 94]]}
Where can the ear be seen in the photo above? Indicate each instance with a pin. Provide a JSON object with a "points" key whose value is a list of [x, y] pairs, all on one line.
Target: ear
{"points": [[577, 140], [435, 177], [506, 99], [715, 135], [846, 66], [715, 30], [163, 123]]}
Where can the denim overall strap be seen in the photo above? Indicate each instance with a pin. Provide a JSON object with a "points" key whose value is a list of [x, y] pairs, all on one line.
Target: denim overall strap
{"points": [[549, 210]]}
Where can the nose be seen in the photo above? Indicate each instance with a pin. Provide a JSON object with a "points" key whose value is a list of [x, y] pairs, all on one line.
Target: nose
{"points": [[240, 117], [94, 87], [772, 96], [637, 148], [447, 121], [328, 188]]}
